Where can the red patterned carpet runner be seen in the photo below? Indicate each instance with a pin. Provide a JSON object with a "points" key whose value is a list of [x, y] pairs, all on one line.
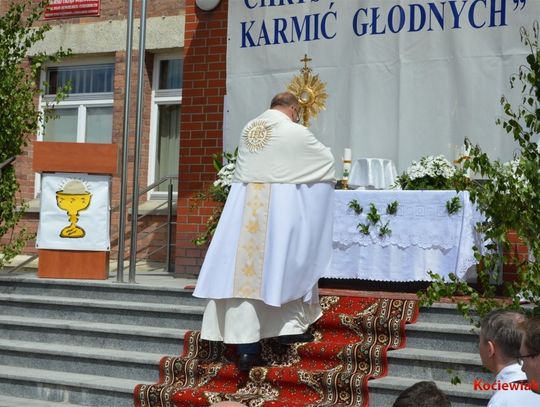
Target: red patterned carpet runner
{"points": [[352, 338]]}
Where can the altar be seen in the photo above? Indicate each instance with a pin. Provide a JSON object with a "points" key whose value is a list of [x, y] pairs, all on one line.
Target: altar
{"points": [[422, 236]]}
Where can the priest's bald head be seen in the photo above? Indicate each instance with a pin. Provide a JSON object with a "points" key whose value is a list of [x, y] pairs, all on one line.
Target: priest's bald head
{"points": [[287, 103]]}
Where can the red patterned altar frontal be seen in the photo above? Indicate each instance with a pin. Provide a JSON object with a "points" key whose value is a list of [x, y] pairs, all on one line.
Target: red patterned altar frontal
{"points": [[351, 341], [71, 8]]}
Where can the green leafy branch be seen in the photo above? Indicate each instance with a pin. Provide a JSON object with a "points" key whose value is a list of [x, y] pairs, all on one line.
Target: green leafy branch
{"points": [[453, 205], [391, 208], [374, 218], [373, 215], [19, 116], [356, 207], [454, 379], [507, 198]]}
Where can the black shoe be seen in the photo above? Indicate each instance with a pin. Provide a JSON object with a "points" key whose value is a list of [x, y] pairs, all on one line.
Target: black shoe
{"points": [[247, 360], [288, 339]]}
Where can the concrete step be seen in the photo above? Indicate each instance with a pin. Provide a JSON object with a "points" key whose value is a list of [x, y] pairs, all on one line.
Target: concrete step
{"points": [[61, 387], [166, 341], [442, 313], [103, 290], [135, 313], [436, 336], [86, 343], [80, 359], [383, 392], [436, 365], [7, 401]]}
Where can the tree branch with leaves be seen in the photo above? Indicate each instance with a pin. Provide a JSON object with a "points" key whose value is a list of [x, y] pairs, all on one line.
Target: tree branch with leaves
{"points": [[19, 115], [509, 199]]}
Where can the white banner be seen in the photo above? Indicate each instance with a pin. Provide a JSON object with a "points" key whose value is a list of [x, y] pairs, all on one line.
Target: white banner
{"points": [[74, 213], [405, 78]]}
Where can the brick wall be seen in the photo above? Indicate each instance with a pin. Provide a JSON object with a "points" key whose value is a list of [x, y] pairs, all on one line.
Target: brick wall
{"points": [[201, 134], [518, 250]]}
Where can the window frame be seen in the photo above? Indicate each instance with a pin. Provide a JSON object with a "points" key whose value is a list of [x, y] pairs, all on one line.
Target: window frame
{"points": [[159, 97], [79, 101]]}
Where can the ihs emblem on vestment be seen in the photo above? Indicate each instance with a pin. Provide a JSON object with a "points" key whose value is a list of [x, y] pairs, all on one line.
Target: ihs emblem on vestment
{"points": [[309, 90], [256, 135]]}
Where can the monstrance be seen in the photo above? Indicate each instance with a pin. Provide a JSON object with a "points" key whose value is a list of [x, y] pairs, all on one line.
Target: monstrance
{"points": [[309, 90]]}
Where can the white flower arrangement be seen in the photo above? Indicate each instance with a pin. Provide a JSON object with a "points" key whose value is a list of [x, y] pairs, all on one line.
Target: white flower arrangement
{"points": [[225, 174], [431, 172], [217, 192], [431, 166]]}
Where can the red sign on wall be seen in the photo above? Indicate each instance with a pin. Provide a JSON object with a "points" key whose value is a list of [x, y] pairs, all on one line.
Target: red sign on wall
{"points": [[71, 8]]}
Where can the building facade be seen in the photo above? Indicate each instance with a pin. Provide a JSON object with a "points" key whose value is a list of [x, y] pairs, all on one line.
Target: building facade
{"points": [[93, 111], [183, 110]]}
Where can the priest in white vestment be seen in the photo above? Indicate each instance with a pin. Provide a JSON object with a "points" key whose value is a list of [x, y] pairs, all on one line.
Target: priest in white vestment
{"points": [[274, 238]]}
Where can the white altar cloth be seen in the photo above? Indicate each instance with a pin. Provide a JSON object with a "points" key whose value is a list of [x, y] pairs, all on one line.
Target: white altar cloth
{"points": [[424, 237]]}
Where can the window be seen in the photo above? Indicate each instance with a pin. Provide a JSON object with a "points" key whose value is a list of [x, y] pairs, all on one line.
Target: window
{"points": [[85, 115], [165, 121]]}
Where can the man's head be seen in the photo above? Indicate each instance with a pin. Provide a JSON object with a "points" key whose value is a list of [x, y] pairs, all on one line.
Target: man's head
{"points": [[287, 103], [530, 350], [500, 338], [422, 394]]}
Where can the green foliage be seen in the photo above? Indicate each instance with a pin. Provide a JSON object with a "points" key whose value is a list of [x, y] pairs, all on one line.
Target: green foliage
{"points": [[455, 380], [384, 230], [373, 217], [453, 205], [224, 164], [391, 208], [363, 228], [508, 198], [18, 114], [470, 301], [356, 207]]}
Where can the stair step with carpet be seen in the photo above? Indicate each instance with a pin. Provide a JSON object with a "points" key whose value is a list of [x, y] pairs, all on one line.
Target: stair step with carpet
{"points": [[351, 341], [73, 322], [383, 392], [440, 346], [85, 343]]}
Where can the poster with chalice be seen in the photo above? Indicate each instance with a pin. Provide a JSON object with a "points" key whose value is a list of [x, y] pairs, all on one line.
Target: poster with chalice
{"points": [[74, 213]]}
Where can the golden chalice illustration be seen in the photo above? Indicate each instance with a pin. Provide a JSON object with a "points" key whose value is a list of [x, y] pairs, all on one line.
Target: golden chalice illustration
{"points": [[73, 199]]}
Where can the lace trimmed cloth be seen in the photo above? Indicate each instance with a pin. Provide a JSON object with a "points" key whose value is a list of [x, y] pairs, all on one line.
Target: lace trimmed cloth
{"points": [[423, 236]]}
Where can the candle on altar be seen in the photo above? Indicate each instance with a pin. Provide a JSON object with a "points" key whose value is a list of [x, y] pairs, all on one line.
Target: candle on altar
{"points": [[347, 157]]}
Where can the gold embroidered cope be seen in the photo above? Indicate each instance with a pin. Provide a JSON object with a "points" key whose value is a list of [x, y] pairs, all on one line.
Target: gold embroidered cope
{"points": [[252, 242]]}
